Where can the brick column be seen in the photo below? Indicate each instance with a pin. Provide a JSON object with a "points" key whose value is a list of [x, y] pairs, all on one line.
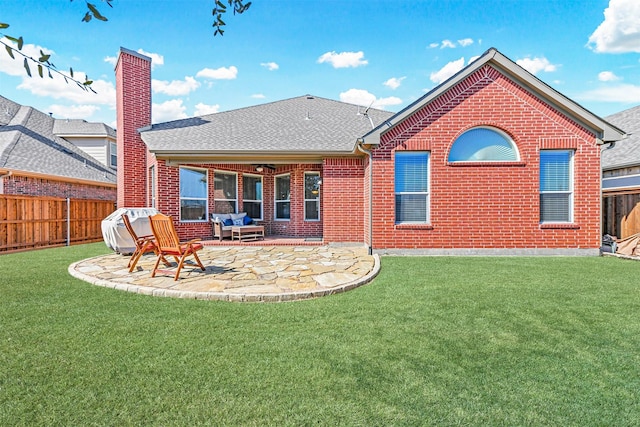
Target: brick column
{"points": [[133, 107]]}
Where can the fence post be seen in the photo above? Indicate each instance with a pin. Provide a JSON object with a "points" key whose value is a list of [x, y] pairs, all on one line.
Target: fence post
{"points": [[68, 222]]}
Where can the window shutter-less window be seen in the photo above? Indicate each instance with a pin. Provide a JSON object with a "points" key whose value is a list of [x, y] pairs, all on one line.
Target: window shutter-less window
{"points": [[556, 186], [412, 187]]}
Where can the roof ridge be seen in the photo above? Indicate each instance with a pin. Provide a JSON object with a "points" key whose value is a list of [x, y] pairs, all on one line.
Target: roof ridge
{"points": [[20, 118]]}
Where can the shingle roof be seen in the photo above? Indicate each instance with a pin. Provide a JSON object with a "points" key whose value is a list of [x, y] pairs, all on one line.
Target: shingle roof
{"points": [[304, 124], [27, 143], [627, 151], [75, 127]]}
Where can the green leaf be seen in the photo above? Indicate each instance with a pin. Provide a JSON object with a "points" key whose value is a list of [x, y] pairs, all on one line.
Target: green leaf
{"points": [[9, 51], [3, 25], [44, 57], [40, 70], [20, 43], [49, 71], [96, 13], [71, 71], [26, 67], [87, 17]]}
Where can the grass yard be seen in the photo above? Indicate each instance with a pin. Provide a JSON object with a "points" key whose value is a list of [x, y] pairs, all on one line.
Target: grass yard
{"points": [[431, 341]]}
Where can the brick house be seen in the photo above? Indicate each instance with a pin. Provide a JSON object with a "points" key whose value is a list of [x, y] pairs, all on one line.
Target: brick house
{"points": [[491, 161], [38, 157]]}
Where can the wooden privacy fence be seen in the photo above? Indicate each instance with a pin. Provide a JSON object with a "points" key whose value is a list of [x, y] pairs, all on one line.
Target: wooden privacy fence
{"points": [[28, 222], [621, 214]]}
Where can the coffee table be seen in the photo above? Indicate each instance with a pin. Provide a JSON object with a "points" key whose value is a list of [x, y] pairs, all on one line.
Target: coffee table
{"points": [[247, 232]]}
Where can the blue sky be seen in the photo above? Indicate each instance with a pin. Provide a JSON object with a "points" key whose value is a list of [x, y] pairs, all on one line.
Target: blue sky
{"points": [[385, 53]]}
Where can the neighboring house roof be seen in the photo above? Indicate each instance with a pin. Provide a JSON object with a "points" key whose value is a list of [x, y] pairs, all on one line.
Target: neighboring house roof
{"points": [[75, 127], [29, 145], [304, 125], [603, 130], [626, 152]]}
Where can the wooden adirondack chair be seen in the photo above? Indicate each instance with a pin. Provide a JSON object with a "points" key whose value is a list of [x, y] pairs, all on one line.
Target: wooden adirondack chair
{"points": [[169, 244], [144, 244]]}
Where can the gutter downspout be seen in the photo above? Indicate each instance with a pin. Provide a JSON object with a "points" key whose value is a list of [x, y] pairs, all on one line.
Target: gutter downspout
{"points": [[2, 177], [359, 144]]}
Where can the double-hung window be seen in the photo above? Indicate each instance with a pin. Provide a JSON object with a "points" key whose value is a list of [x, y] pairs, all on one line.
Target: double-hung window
{"points": [[193, 194], [252, 196], [556, 186], [113, 155], [283, 196], [312, 196], [225, 192], [412, 186]]}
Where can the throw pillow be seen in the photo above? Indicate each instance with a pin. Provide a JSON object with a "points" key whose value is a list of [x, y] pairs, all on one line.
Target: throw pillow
{"points": [[247, 220], [228, 221], [238, 221]]}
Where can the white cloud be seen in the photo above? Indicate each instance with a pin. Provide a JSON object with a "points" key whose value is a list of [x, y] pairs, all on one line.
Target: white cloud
{"points": [[473, 58], [271, 66], [365, 99], [343, 59], [394, 82], [620, 30], [447, 71], [156, 58], [168, 111], [222, 73], [15, 67], [625, 93], [258, 96], [57, 88], [175, 87], [73, 111], [607, 76], [447, 43], [204, 109], [111, 60], [535, 65]]}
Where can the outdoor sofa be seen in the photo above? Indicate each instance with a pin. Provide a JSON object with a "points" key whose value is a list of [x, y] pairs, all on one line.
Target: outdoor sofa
{"points": [[222, 223]]}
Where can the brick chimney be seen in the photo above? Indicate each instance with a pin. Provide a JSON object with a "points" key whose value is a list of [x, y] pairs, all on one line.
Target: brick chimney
{"points": [[133, 108]]}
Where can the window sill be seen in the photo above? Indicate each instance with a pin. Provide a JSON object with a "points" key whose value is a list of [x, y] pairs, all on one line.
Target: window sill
{"points": [[559, 226], [413, 226], [486, 164]]}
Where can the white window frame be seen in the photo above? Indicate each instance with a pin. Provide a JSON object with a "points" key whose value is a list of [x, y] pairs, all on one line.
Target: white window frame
{"points": [[497, 131], [205, 198], [316, 199], [570, 191], [427, 193], [216, 200], [153, 189], [261, 201], [276, 200], [113, 155]]}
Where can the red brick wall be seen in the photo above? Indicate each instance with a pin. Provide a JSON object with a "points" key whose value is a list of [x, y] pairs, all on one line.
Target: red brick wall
{"points": [[133, 107], [487, 205], [344, 200], [52, 188]]}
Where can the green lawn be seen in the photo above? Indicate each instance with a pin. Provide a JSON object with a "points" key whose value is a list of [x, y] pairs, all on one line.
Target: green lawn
{"points": [[431, 341]]}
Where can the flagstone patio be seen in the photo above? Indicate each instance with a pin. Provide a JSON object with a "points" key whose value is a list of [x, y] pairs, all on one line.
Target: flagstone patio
{"points": [[241, 273]]}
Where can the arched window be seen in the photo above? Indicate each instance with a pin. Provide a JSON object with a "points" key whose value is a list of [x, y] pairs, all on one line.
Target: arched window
{"points": [[483, 144]]}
